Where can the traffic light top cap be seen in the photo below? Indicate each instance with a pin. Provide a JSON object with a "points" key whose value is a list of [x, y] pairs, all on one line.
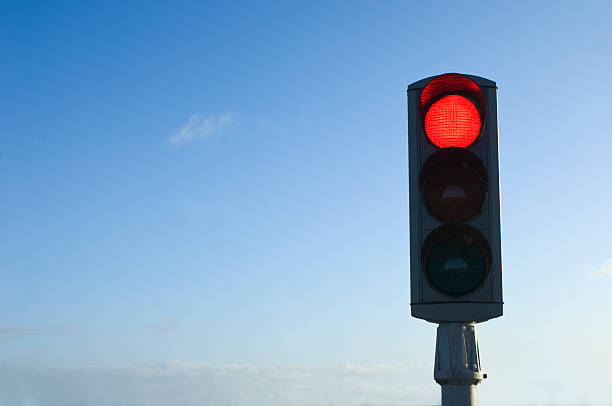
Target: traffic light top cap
{"points": [[450, 84], [480, 81]]}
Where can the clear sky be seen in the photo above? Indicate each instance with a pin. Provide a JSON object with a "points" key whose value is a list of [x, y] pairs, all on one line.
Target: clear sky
{"points": [[206, 203]]}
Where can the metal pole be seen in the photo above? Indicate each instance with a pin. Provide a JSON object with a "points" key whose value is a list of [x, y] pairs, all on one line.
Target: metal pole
{"points": [[457, 366]]}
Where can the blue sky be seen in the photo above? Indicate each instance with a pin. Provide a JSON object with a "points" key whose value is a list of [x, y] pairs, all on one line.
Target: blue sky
{"points": [[193, 188]]}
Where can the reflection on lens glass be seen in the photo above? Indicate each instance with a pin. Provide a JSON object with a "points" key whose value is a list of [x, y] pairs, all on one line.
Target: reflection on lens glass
{"points": [[454, 192], [455, 264], [454, 184], [456, 259]]}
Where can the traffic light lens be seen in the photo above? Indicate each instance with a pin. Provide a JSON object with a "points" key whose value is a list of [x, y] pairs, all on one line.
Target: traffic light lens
{"points": [[454, 184], [452, 121], [456, 259]]}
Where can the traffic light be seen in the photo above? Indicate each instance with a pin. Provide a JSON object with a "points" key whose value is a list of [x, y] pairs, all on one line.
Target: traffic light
{"points": [[455, 253]]}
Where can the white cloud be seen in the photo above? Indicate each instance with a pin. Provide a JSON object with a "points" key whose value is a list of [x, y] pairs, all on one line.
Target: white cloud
{"points": [[194, 383], [198, 127], [604, 271]]}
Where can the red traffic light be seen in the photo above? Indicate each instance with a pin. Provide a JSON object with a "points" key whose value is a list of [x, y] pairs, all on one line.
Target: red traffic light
{"points": [[452, 121], [452, 110]]}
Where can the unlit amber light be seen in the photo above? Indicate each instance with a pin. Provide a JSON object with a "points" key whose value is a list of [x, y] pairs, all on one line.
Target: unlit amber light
{"points": [[452, 121]]}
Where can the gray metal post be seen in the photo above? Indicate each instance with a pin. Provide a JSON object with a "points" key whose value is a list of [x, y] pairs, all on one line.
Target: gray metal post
{"points": [[457, 366]]}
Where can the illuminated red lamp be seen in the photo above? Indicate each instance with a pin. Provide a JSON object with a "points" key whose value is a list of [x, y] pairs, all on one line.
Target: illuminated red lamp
{"points": [[452, 110]]}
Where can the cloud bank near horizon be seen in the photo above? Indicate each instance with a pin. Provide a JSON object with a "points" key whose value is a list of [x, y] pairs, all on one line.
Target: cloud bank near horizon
{"points": [[193, 383]]}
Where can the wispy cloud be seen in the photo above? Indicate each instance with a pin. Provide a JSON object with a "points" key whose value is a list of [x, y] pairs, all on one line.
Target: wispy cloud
{"points": [[604, 271], [195, 383], [164, 326], [199, 127], [6, 332]]}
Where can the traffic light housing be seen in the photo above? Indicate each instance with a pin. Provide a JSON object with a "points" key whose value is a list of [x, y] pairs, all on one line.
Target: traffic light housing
{"points": [[455, 241]]}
